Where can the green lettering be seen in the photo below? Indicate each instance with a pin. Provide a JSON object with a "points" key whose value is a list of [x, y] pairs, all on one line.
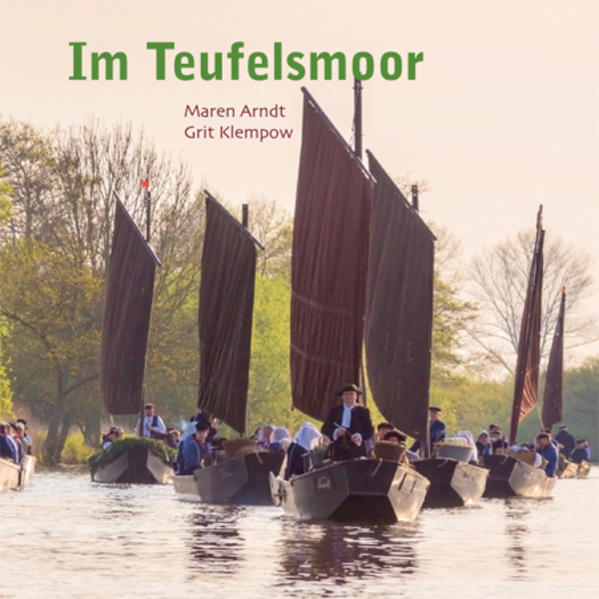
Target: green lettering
{"points": [[293, 61], [161, 48], [77, 61], [328, 65], [109, 59], [257, 60], [184, 60], [413, 60]]}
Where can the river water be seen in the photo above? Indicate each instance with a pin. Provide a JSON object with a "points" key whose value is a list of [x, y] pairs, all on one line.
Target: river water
{"points": [[67, 537]]}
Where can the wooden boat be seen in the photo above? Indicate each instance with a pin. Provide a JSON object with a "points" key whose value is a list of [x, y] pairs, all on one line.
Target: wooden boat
{"points": [[13, 477], [567, 469], [509, 475], [338, 222], [583, 469], [240, 480], [225, 325], [453, 483], [133, 461], [372, 490], [9, 475], [125, 331]]}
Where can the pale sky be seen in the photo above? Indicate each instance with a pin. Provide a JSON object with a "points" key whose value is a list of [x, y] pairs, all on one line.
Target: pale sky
{"points": [[501, 117]]}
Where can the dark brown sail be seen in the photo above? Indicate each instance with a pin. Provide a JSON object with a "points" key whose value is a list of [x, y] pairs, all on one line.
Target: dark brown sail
{"points": [[552, 397], [225, 316], [329, 261], [399, 307], [527, 367], [127, 309]]}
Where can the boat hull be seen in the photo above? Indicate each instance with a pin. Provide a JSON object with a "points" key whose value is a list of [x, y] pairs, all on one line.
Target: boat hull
{"points": [[14, 478], [240, 480], [509, 477], [358, 490], [583, 469], [453, 483], [136, 465], [9, 476], [569, 470]]}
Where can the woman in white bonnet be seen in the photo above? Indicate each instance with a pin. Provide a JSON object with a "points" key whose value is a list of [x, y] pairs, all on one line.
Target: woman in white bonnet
{"points": [[305, 440]]}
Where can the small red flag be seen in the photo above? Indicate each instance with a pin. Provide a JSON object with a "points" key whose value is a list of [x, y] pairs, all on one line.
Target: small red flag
{"points": [[145, 183]]}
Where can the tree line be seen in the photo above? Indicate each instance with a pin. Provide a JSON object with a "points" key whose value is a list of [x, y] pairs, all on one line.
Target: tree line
{"points": [[56, 215]]}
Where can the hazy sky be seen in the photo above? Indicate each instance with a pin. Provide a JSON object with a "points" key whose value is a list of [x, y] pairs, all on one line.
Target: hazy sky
{"points": [[501, 117]]}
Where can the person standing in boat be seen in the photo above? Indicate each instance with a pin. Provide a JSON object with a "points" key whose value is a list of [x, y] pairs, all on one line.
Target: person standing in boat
{"points": [[547, 450], [436, 429], [195, 448], [582, 452], [348, 425], [566, 440], [153, 425]]}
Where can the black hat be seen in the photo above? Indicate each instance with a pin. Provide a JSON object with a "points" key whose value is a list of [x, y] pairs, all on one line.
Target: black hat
{"points": [[395, 435], [349, 387], [202, 425], [581, 441], [434, 409]]}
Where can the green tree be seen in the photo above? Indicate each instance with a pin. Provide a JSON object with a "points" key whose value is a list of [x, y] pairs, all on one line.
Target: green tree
{"points": [[53, 305]]}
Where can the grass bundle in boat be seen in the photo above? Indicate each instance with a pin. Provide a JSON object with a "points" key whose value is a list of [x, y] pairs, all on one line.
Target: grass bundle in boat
{"points": [[106, 456]]}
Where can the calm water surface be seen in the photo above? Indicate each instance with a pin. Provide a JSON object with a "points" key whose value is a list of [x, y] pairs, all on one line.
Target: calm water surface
{"points": [[68, 537]]}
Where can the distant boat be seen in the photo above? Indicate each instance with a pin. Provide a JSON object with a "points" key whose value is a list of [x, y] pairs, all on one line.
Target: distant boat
{"points": [[508, 475], [330, 281], [239, 473], [125, 329]]}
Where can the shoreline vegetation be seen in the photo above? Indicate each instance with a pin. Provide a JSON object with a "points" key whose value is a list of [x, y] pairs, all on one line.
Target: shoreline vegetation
{"points": [[56, 214]]}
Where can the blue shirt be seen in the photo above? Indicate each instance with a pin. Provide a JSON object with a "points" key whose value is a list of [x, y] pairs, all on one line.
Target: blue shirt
{"points": [[550, 454], [436, 433], [8, 448], [193, 454]]}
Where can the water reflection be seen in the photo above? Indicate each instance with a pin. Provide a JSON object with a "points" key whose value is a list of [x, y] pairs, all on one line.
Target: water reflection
{"points": [[516, 512], [328, 550], [215, 544]]}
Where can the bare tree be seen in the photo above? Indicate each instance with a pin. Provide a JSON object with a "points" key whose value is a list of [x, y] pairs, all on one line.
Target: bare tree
{"points": [[271, 225], [500, 280]]}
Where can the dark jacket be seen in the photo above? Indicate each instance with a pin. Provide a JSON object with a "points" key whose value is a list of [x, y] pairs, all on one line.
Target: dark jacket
{"points": [[8, 449], [567, 440], [360, 422], [436, 433]]}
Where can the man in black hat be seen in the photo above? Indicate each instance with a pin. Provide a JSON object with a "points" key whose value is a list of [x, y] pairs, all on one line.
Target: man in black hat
{"points": [[566, 440], [348, 425], [436, 429]]}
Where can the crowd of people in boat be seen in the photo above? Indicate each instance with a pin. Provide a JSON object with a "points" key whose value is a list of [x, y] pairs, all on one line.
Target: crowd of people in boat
{"points": [[347, 433], [15, 442]]}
